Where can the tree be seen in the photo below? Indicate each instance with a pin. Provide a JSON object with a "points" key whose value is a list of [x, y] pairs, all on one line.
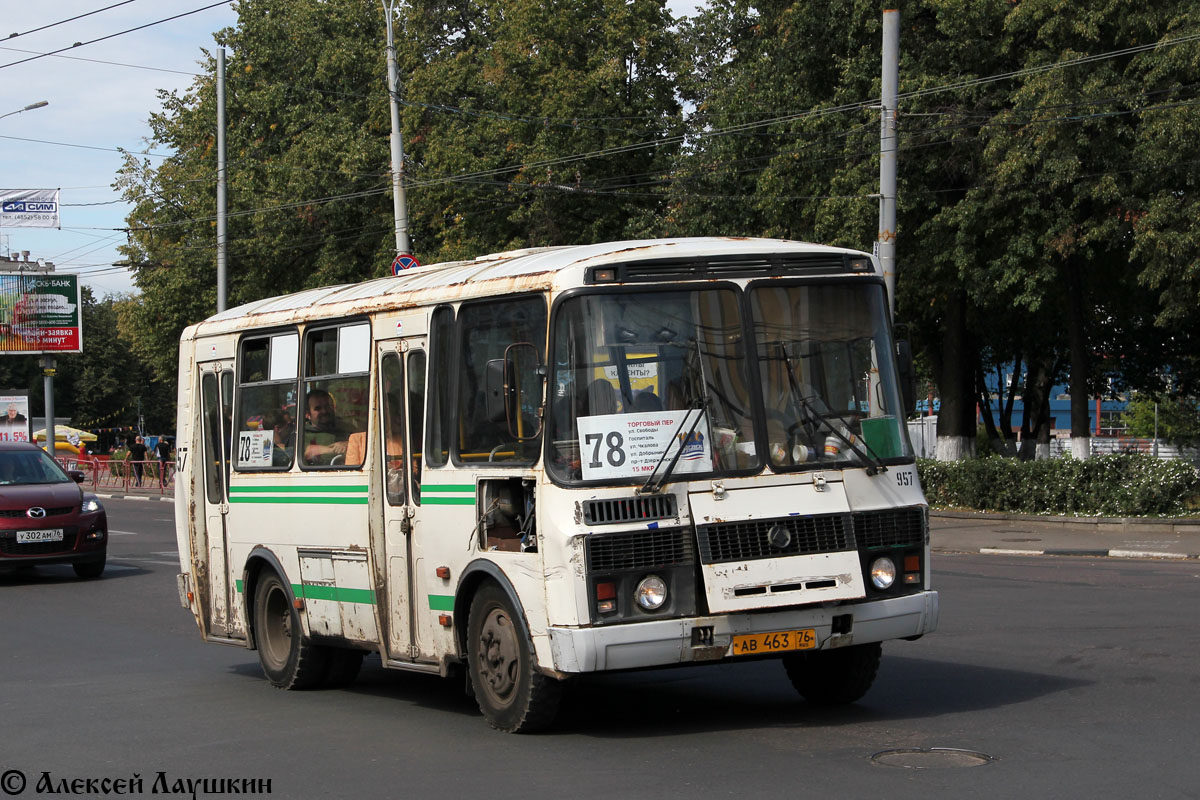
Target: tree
{"points": [[1173, 418]]}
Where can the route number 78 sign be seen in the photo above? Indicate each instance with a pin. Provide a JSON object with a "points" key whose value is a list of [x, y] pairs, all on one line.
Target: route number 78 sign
{"points": [[631, 445]]}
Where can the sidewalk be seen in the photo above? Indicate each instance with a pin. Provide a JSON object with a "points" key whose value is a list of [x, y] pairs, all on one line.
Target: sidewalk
{"points": [[1019, 534]]}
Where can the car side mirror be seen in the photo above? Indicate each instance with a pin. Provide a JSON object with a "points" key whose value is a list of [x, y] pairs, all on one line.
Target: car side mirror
{"points": [[77, 475]]}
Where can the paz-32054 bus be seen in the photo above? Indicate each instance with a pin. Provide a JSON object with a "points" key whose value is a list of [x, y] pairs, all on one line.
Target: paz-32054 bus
{"points": [[550, 462]]}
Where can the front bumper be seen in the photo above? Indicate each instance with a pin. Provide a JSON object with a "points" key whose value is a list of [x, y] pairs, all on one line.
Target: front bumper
{"points": [[667, 642], [85, 542]]}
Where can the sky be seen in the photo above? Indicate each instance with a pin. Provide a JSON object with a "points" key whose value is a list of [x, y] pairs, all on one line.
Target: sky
{"points": [[94, 108], [100, 97]]}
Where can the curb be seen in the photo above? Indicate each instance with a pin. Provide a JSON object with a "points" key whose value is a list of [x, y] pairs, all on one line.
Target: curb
{"points": [[999, 551], [1122, 522], [163, 498]]}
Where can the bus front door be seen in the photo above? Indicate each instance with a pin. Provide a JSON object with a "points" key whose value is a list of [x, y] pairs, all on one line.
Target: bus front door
{"points": [[216, 408], [398, 462]]}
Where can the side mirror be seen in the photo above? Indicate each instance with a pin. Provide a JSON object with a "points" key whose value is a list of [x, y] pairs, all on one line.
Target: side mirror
{"points": [[77, 475], [907, 377], [495, 387], [526, 378]]}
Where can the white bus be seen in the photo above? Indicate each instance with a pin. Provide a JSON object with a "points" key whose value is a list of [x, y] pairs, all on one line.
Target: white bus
{"points": [[558, 461]]}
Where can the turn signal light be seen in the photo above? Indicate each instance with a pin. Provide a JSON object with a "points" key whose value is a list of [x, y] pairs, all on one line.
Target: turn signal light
{"points": [[606, 591], [445, 620], [912, 563], [442, 572]]}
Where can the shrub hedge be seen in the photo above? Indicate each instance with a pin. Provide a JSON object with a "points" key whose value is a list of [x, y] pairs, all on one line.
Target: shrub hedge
{"points": [[1119, 485]]}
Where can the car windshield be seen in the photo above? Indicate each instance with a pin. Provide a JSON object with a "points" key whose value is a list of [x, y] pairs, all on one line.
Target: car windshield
{"points": [[651, 386], [28, 467]]}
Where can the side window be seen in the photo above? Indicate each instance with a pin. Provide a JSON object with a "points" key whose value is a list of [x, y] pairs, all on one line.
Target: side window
{"points": [[440, 421], [337, 361], [416, 406], [392, 433], [486, 331], [265, 436]]}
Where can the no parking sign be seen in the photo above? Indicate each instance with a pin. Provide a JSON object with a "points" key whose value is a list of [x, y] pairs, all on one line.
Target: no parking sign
{"points": [[403, 262]]}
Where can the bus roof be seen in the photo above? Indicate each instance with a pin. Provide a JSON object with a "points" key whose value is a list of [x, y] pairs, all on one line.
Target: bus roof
{"points": [[528, 270]]}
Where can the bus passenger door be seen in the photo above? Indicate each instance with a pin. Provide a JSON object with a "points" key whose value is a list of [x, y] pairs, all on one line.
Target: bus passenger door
{"points": [[216, 404], [397, 475]]}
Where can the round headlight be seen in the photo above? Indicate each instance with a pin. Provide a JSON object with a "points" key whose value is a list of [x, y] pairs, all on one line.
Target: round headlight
{"points": [[883, 572], [651, 592]]}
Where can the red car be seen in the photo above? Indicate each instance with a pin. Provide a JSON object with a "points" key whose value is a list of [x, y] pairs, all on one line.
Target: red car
{"points": [[45, 516]]}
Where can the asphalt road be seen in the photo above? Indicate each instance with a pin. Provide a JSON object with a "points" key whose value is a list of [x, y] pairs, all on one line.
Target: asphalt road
{"points": [[1075, 677]]}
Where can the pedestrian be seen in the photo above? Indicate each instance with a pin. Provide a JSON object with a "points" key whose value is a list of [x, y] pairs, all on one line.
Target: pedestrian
{"points": [[137, 457], [163, 451]]}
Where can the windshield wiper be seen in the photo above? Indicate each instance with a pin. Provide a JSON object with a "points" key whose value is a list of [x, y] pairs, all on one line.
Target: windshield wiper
{"points": [[872, 460], [655, 483]]}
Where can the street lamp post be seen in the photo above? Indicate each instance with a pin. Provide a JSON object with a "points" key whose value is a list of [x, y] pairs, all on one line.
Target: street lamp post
{"points": [[30, 107]]}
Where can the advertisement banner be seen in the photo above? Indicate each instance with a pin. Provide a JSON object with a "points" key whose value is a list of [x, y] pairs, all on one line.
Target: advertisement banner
{"points": [[29, 208], [40, 313], [15, 423]]}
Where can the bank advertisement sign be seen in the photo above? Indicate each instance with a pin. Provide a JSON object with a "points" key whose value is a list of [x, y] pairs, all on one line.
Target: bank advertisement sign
{"points": [[29, 208], [14, 416], [39, 313]]}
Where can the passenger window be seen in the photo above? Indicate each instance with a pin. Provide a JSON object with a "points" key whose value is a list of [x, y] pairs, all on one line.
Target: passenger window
{"points": [[336, 396], [265, 436], [486, 332]]}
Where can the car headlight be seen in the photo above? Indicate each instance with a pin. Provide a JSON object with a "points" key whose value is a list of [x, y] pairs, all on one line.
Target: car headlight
{"points": [[883, 572], [91, 504], [651, 592]]}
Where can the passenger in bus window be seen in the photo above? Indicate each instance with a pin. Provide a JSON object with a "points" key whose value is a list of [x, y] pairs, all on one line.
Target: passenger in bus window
{"points": [[324, 437]]}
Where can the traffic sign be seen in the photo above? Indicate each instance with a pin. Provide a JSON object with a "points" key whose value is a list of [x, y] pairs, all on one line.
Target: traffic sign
{"points": [[403, 262]]}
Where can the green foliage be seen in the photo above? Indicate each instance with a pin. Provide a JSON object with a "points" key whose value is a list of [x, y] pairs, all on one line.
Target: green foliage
{"points": [[1114, 485], [1173, 419]]}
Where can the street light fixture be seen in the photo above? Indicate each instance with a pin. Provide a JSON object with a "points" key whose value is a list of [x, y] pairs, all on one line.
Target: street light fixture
{"points": [[30, 107]]}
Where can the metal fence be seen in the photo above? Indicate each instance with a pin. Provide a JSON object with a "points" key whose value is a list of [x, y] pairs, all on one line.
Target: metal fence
{"points": [[104, 474]]}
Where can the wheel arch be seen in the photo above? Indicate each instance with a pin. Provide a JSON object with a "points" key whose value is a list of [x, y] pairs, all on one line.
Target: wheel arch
{"points": [[473, 576], [260, 559]]}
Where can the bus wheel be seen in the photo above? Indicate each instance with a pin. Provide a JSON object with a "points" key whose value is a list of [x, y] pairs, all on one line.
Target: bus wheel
{"points": [[513, 696], [289, 660], [834, 677]]}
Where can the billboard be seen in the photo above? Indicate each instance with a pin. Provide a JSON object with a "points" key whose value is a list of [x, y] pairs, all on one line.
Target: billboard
{"points": [[15, 423], [40, 313], [29, 208]]}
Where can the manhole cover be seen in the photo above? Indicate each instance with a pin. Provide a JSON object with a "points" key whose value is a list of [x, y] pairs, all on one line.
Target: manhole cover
{"points": [[930, 758]]}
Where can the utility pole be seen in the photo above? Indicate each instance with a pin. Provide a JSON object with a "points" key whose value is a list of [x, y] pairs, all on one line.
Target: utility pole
{"points": [[399, 201], [221, 233], [890, 99]]}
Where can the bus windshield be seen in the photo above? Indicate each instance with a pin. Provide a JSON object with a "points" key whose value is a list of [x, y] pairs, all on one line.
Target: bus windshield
{"points": [[649, 381]]}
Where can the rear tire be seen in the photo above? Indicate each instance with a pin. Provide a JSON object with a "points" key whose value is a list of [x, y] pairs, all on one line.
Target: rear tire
{"points": [[834, 677], [513, 696], [90, 569], [289, 659]]}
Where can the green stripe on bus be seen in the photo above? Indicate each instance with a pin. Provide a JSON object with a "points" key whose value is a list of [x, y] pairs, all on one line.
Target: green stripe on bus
{"points": [[338, 594], [447, 501], [239, 585], [332, 501], [441, 602], [448, 487], [337, 488]]}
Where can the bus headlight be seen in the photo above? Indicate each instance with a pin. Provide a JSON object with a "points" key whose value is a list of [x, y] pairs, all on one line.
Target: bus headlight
{"points": [[651, 592], [883, 572]]}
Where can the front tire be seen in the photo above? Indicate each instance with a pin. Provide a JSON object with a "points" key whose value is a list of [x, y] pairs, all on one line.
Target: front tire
{"points": [[834, 677], [513, 696], [289, 659]]}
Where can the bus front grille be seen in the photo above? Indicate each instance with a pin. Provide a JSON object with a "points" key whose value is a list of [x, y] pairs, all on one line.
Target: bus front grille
{"points": [[753, 539], [612, 552], [893, 527], [615, 510]]}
